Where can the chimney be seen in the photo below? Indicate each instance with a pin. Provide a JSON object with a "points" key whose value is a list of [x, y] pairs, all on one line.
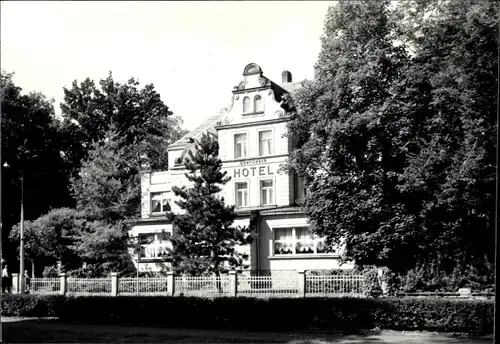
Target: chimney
{"points": [[286, 77]]}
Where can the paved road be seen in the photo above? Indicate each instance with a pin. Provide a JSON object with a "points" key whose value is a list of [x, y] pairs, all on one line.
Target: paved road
{"points": [[25, 330]]}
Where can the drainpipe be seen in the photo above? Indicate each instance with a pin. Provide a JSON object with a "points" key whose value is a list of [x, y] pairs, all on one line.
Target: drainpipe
{"points": [[254, 224]]}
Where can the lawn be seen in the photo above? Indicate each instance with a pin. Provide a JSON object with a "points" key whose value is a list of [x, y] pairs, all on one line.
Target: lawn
{"points": [[28, 330]]}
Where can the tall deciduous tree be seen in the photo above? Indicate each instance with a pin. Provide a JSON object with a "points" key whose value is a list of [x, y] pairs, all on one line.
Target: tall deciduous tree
{"points": [[450, 169], [30, 145], [397, 132], [107, 135], [349, 140], [138, 114], [204, 238]]}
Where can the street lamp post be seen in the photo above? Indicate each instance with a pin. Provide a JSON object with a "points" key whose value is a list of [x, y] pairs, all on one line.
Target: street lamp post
{"points": [[21, 236]]}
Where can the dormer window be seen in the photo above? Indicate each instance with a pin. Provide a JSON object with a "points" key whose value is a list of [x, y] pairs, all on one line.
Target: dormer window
{"points": [[258, 104], [247, 105]]}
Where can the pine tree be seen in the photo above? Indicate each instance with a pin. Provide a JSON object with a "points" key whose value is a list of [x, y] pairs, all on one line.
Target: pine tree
{"points": [[204, 239], [108, 194], [108, 185]]}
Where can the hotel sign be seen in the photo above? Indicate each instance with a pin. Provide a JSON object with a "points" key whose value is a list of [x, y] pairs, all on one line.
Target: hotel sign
{"points": [[252, 171]]}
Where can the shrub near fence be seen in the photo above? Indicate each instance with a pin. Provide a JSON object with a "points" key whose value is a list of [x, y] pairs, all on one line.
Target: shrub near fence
{"points": [[335, 314]]}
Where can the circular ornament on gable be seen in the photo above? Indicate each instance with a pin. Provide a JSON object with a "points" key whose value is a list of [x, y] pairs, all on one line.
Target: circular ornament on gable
{"points": [[279, 113], [252, 68], [225, 121]]}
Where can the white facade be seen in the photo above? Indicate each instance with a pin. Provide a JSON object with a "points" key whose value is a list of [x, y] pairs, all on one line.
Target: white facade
{"points": [[253, 148]]}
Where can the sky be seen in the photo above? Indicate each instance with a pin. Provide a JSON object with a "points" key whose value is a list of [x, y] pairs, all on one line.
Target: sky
{"points": [[193, 52]]}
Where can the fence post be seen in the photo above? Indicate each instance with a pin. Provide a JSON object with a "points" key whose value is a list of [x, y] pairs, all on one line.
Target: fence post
{"points": [[114, 283], [302, 283], [233, 284], [170, 283], [64, 286], [15, 284]]}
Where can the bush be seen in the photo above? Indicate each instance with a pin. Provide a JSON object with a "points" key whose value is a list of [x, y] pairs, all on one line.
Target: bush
{"points": [[371, 285], [50, 271], [431, 278], [30, 305], [338, 314]]}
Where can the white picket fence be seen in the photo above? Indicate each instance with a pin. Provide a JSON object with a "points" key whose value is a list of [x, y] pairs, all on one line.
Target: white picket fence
{"points": [[276, 284], [45, 285], [203, 286], [89, 285], [267, 285], [325, 285], [144, 285]]}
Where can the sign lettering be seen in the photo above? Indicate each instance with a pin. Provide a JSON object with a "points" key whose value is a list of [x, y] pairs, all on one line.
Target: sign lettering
{"points": [[251, 171], [256, 161]]}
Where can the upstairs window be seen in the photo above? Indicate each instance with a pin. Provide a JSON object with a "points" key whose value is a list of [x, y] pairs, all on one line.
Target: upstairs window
{"points": [[240, 146], [266, 192], [241, 189], [258, 104], [160, 203], [247, 105], [265, 142]]}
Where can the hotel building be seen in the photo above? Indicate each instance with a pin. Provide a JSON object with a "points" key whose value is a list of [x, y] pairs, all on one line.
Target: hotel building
{"points": [[253, 147]]}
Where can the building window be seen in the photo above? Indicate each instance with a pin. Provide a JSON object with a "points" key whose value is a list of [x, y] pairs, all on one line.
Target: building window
{"points": [[155, 245], [241, 194], [159, 202], [247, 105], [283, 241], [240, 145], [258, 104], [265, 142], [304, 242], [266, 192], [297, 241]]}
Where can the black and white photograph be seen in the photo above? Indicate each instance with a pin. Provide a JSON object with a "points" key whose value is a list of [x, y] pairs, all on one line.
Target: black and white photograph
{"points": [[292, 172]]}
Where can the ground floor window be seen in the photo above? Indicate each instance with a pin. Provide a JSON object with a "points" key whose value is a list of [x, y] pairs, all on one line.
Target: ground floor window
{"points": [[241, 194], [297, 240], [155, 245]]}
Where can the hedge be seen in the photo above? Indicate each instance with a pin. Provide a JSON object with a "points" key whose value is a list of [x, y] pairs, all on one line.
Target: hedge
{"points": [[338, 314], [27, 305]]}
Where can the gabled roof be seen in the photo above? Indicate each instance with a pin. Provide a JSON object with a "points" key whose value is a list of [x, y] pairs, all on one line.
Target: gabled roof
{"points": [[208, 124]]}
